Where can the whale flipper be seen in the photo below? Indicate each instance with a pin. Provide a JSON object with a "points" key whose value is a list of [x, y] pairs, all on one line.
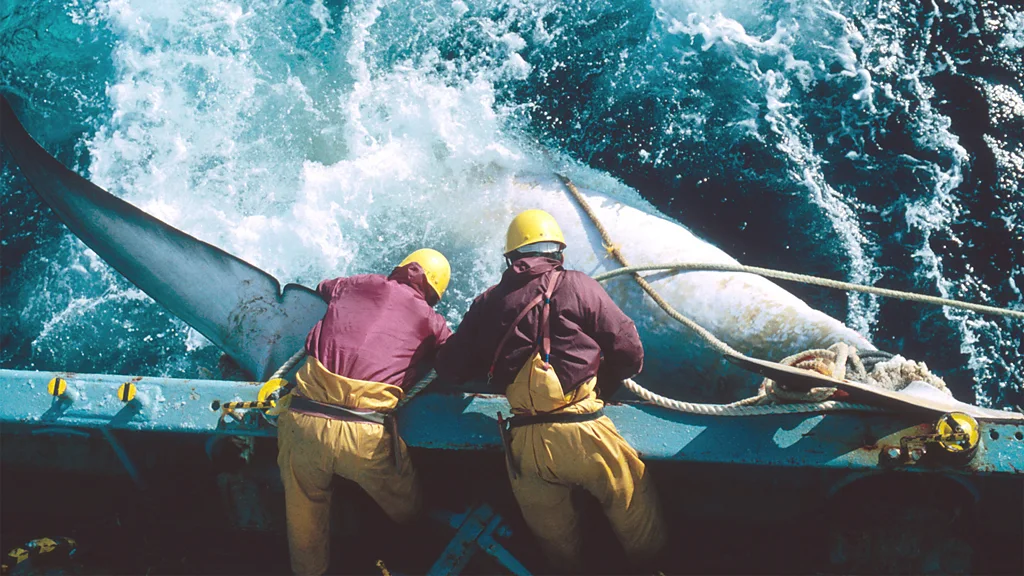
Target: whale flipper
{"points": [[237, 306]]}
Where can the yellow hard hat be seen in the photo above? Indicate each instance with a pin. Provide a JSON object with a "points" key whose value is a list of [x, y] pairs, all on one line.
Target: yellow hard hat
{"points": [[530, 227], [434, 265]]}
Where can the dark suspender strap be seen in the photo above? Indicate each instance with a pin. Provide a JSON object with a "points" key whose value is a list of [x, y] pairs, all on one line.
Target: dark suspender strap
{"points": [[544, 298], [511, 329], [545, 324], [549, 418]]}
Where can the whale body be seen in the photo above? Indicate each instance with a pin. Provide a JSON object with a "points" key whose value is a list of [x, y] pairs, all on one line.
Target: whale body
{"points": [[246, 312]]}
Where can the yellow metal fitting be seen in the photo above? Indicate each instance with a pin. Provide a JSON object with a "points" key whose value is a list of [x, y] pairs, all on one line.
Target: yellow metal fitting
{"points": [[958, 433], [247, 405], [19, 555], [955, 438], [126, 392], [45, 545], [57, 387], [268, 389]]}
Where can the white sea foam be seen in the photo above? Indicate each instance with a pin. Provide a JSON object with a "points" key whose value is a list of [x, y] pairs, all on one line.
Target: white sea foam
{"points": [[200, 122], [937, 209], [773, 62], [1013, 36]]}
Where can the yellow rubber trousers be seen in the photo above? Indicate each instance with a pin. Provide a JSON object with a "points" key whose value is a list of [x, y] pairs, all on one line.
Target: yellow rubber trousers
{"points": [[556, 458], [312, 449]]}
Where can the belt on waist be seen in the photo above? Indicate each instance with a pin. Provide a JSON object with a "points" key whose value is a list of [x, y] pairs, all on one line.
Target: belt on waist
{"points": [[335, 412], [552, 418]]}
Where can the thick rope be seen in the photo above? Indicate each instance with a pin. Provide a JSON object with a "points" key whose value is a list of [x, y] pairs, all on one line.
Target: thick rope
{"points": [[743, 407], [814, 280], [613, 249], [280, 373], [832, 362], [289, 364]]}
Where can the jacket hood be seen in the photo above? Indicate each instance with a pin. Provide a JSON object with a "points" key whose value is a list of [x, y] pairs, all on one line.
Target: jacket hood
{"points": [[526, 269], [413, 276]]}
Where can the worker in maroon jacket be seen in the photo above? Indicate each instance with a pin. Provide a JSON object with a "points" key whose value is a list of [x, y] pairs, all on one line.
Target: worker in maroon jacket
{"points": [[541, 335], [361, 356]]}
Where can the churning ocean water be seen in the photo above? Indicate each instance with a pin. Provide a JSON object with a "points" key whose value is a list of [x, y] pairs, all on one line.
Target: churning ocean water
{"points": [[873, 141]]}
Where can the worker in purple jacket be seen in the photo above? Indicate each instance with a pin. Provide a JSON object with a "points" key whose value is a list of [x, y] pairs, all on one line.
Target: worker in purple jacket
{"points": [[541, 335], [362, 356]]}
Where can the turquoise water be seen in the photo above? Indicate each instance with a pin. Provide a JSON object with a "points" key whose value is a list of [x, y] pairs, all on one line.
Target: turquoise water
{"points": [[863, 140]]}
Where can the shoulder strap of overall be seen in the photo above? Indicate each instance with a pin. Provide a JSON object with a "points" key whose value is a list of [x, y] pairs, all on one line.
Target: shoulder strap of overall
{"points": [[544, 339], [544, 336]]}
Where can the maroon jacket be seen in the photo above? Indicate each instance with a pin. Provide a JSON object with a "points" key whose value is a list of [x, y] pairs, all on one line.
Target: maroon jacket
{"points": [[585, 324], [376, 328]]}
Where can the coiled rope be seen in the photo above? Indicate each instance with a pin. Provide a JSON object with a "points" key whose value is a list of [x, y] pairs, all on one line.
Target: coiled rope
{"points": [[832, 362]]}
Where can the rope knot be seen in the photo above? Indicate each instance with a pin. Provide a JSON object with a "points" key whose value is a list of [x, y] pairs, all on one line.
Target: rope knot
{"points": [[835, 362], [842, 362]]}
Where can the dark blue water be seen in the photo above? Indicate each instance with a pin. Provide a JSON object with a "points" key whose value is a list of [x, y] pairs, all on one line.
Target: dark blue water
{"points": [[870, 141]]}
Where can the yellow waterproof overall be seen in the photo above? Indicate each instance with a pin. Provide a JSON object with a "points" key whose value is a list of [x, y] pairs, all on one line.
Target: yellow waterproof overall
{"points": [[553, 458], [312, 449]]}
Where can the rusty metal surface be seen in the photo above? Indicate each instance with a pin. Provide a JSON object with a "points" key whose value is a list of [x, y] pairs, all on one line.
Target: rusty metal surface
{"points": [[457, 421]]}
